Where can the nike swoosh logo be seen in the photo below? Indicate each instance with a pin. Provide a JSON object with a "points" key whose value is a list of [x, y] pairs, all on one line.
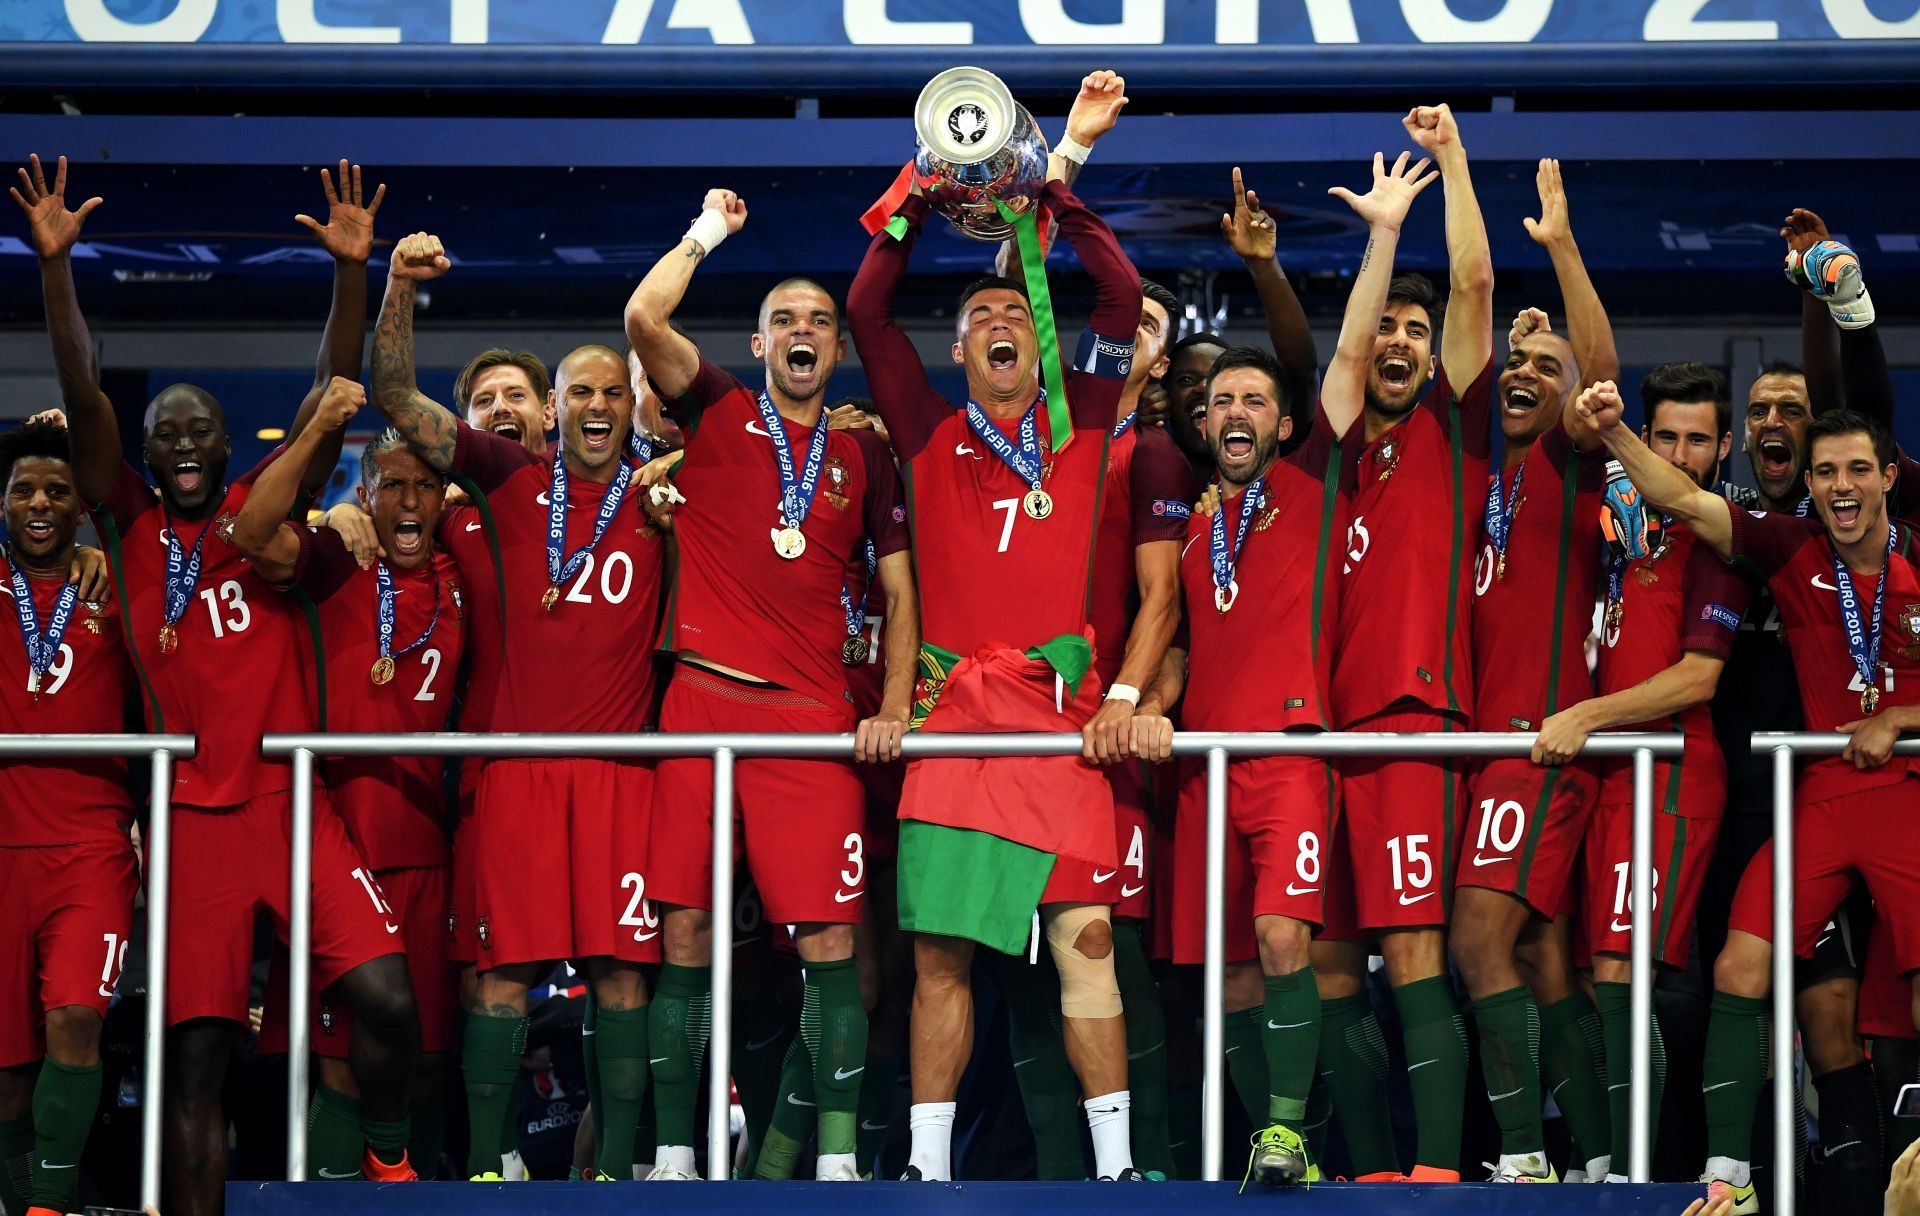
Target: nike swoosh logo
{"points": [[473, 525], [645, 937], [661, 1060], [1481, 859], [846, 897], [961, 449], [841, 1074], [1499, 1097], [1407, 903], [1707, 1089], [1234, 1048], [1099, 877], [324, 1173], [1288, 1026], [763, 1044], [1617, 927], [1025, 1062], [541, 498], [1556, 1089], [1141, 1055], [754, 428], [1611, 1088], [392, 928], [1828, 1151], [873, 1127], [796, 1100], [48, 1165], [1410, 1067], [1293, 890], [1127, 892], [1824, 586]]}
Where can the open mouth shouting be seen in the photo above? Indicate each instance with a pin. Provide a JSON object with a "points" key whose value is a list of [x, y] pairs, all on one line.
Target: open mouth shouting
{"points": [[1775, 458], [38, 531], [1846, 511], [1237, 443], [1396, 373], [507, 428], [1519, 401], [596, 434], [409, 538], [1002, 355], [188, 476], [802, 358]]}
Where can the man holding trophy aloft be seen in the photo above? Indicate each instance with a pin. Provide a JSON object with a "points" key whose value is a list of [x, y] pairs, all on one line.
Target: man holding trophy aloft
{"points": [[1003, 497]]}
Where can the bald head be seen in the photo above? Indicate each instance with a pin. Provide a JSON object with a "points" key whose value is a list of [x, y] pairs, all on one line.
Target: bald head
{"points": [[185, 400]]}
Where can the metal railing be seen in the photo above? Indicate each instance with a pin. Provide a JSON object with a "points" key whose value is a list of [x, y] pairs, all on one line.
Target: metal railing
{"points": [[725, 750], [159, 860]]}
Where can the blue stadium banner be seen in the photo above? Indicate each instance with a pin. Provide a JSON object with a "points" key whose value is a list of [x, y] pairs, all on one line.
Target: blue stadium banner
{"points": [[953, 23]]}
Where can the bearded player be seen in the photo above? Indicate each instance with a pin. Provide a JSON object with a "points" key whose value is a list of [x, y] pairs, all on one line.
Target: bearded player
{"points": [[778, 503], [65, 856], [1003, 499], [218, 645], [581, 571], [1834, 577]]}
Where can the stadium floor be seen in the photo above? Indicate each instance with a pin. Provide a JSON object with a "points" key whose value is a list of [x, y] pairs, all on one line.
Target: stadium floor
{"points": [[948, 1199]]}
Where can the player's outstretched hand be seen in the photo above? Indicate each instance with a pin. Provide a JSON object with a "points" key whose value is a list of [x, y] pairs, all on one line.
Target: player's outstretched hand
{"points": [[1528, 321], [419, 257], [1249, 230], [732, 208], [348, 232], [56, 415], [1393, 192], [1802, 230], [1097, 107], [1561, 737], [1433, 128], [339, 404], [52, 228], [1553, 225], [88, 571], [1108, 737], [1903, 1192], [1872, 741], [356, 531], [1599, 407], [877, 739], [1153, 737]]}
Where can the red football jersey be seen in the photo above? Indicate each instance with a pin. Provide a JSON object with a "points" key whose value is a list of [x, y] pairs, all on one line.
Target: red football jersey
{"points": [[1530, 623], [737, 601], [461, 538], [1267, 663], [53, 802], [1678, 598], [1420, 490], [988, 572], [1148, 497], [240, 668], [1796, 558], [586, 665], [391, 805]]}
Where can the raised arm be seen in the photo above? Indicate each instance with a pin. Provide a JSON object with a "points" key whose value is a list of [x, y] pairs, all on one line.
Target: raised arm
{"points": [[1096, 108], [1467, 344], [1588, 330], [261, 531], [1596, 413], [1116, 284], [348, 236], [1846, 365], [428, 426], [1253, 235], [671, 359], [902, 395], [93, 435], [1343, 395]]}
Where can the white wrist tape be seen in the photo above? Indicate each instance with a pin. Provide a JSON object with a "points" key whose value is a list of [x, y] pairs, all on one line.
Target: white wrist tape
{"points": [[1075, 152], [708, 230], [1123, 692]]}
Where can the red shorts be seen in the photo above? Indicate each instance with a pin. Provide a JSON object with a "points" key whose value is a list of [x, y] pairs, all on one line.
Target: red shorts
{"points": [[1886, 996], [464, 947], [1281, 812], [560, 861], [1524, 825], [69, 915], [1398, 817], [231, 864], [1124, 886], [800, 824], [1163, 811], [1681, 850], [1856, 835]]}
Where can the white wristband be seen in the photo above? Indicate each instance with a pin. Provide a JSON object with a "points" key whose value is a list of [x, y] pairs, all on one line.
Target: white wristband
{"points": [[708, 230], [1075, 152], [1123, 692]]}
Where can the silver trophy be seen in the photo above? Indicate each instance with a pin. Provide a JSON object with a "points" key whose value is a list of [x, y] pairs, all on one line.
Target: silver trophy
{"points": [[978, 146]]}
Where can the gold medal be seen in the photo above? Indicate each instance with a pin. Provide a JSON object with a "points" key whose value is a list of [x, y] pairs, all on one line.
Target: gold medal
{"points": [[33, 684], [853, 651], [1223, 597], [1038, 504], [548, 600], [1615, 610], [1870, 700], [383, 669], [1500, 566], [789, 543], [169, 639]]}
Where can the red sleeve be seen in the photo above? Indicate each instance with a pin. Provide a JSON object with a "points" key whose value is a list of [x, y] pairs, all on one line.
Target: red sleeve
{"points": [[325, 565], [1716, 599], [453, 517], [710, 384], [901, 392], [1906, 490], [130, 498], [487, 458], [1163, 490], [1106, 349], [885, 508], [1476, 409], [1767, 541]]}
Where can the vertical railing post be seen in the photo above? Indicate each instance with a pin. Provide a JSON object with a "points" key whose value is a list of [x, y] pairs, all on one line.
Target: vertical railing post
{"points": [[1214, 1007], [153, 1092], [720, 1043], [300, 968], [1644, 922], [1784, 1132]]}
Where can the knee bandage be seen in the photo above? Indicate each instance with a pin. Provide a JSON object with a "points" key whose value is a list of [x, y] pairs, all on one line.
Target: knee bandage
{"points": [[1088, 986]]}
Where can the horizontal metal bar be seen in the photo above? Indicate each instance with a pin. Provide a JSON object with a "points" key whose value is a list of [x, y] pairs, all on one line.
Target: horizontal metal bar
{"points": [[1186, 743], [181, 747], [1809, 743]]}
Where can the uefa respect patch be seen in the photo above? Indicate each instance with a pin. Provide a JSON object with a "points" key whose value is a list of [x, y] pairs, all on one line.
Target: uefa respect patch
{"points": [[1720, 614]]}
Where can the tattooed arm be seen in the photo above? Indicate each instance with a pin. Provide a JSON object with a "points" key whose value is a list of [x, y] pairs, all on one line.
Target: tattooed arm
{"points": [[672, 361], [428, 426]]}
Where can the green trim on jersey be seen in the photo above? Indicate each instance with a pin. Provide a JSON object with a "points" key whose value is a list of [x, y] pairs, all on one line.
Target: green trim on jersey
{"points": [[1536, 824], [1675, 857], [1569, 496], [1329, 499], [1450, 798], [1457, 459]]}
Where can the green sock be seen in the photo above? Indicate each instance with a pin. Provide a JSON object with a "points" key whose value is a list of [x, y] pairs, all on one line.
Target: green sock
{"points": [[1247, 1060], [1572, 1064], [645, 1143], [1510, 1061], [1291, 1033], [590, 1062], [1616, 1022], [877, 1086], [490, 1063], [681, 1020], [1146, 1051], [759, 1042], [387, 1141], [622, 1053], [833, 1024], [334, 1138], [1048, 1089], [1436, 1045], [1733, 1072], [64, 1101], [1353, 1067], [1319, 1117], [1184, 1104], [16, 1148], [423, 1144], [793, 1117]]}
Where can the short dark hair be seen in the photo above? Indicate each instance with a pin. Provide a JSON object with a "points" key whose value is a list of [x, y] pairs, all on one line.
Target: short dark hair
{"points": [[863, 404], [487, 360], [45, 438], [385, 441], [1256, 357], [1418, 289], [1207, 338], [1161, 296], [1689, 382], [986, 282], [798, 281], [1782, 367], [1851, 422]]}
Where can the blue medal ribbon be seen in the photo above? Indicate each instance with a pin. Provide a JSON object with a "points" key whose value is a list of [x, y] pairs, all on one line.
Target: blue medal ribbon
{"points": [[796, 491], [558, 571], [1617, 568], [1863, 643], [1803, 506], [1224, 559], [1500, 508], [639, 447], [383, 579], [183, 572], [1125, 424], [1025, 460], [857, 613], [42, 649]]}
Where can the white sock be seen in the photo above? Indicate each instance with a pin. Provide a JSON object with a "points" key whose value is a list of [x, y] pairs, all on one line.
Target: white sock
{"points": [[1526, 1163], [512, 1167], [1726, 1169], [827, 1165], [1110, 1118], [1616, 1178], [641, 1169], [932, 1125], [675, 1157], [1600, 1167]]}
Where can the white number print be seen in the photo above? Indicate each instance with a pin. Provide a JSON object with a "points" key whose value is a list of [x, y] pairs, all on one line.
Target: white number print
{"points": [[856, 860], [1492, 834], [115, 963], [1857, 685], [1412, 865], [1307, 862], [1137, 853], [1012, 507], [1623, 898], [1359, 540], [616, 561], [876, 629], [429, 659], [57, 674], [378, 897], [239, 616], [639, 916]]}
